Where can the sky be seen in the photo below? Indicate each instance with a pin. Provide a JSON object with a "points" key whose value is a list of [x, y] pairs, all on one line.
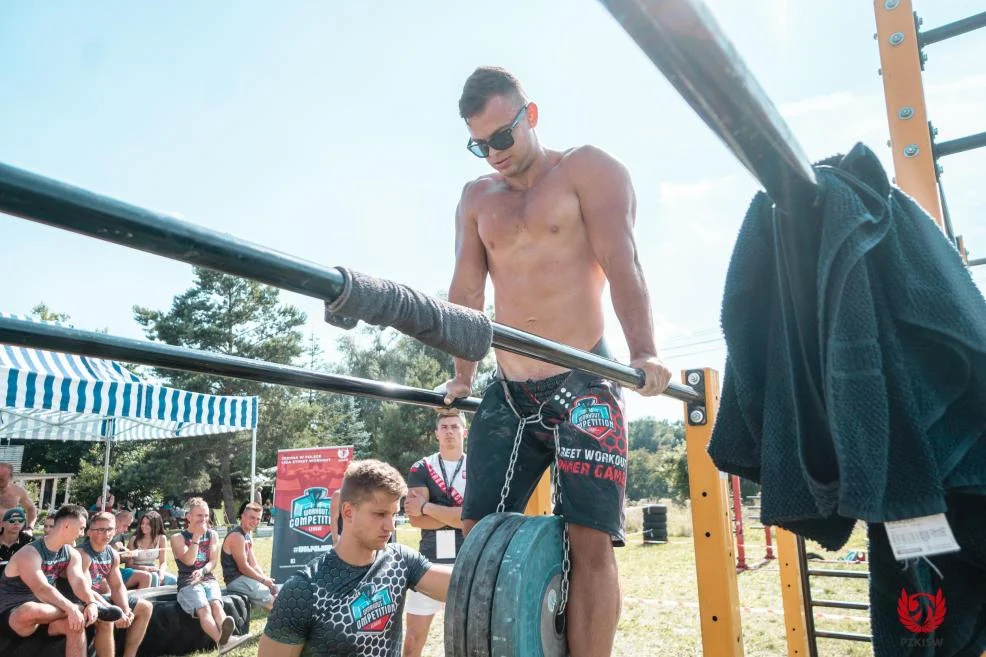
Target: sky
{"points": [[330, 131]]}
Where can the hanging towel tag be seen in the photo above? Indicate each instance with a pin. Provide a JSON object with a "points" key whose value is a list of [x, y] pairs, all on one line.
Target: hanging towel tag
{"points": [[921, 537]]}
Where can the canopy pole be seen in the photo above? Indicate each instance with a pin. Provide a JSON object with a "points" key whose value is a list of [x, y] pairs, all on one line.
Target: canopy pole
{"points": [[111, 426], [253, 467]]}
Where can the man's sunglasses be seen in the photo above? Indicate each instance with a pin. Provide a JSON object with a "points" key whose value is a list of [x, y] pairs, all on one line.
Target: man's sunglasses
{"points": [[500, 140]]}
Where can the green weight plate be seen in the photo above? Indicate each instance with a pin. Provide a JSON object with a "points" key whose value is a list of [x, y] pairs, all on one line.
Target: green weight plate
{"points": [[457, 601], [528, 593], [484, 585]]}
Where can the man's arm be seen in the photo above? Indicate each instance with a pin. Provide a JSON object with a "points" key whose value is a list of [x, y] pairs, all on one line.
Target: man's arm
{"points": [[118, 590], [447, 516], [609, 208], [29, 509], [245, 563], [434, 583], [78, 578], [183, 553], [27, 563], [468, 286], [416, 498], [271, 648]]}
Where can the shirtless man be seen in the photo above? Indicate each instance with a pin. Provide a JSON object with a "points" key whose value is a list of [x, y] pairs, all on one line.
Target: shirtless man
{"points": [[12, 495], [551, 228]]}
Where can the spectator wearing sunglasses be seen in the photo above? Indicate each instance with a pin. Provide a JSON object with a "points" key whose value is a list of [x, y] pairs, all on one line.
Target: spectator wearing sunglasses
{"points": [[12, 534]]}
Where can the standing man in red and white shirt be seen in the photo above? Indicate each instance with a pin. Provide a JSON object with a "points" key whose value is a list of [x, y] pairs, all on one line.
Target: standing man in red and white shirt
{"points": [[436, 486]]}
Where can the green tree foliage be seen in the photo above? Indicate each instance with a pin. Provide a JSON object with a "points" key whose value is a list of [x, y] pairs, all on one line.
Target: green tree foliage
{"points": [[233, 316], [658, 464], [400, 433]]}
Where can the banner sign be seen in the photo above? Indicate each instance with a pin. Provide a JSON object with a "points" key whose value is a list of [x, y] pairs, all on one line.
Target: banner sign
{"points": [[306, 480]]}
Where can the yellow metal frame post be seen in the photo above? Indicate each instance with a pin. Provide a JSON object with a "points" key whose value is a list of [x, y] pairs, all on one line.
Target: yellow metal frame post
{"points": [[907, 115], [540, 502], [718, 593], [792, 594]]}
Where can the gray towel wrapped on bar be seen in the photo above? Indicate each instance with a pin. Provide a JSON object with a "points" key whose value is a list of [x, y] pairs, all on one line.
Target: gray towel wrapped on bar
{"points": [[457, 330]]}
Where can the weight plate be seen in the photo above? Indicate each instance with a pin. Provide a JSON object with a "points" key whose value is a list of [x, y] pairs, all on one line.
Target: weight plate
{"points": [[528, 593], [457, 601], [484, 585]]}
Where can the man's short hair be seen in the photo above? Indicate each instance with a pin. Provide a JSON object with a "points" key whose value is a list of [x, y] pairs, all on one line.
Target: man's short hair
{"points": [[194, 502], [71, 511], [447, 414], [484, 83], [251, 506], [101, 515], [365, 478]]}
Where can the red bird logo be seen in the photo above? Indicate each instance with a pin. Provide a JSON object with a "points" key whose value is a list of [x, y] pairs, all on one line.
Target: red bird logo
{"points": [[910, 611]]}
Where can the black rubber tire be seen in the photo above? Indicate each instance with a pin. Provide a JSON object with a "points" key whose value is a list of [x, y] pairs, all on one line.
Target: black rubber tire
{"points": [[172, 631], [658, 526], [655, 510], [655, 534], [39, 645]]}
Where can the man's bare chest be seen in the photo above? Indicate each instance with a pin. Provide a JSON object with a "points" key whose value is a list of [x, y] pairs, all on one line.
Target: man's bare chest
{"points": [[506, 218]]}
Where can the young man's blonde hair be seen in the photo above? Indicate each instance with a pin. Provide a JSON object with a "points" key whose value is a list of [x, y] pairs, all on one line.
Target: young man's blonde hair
{"points": [[252, 506], [101, 515], [194, 502], [369, 476], [446, 413]]}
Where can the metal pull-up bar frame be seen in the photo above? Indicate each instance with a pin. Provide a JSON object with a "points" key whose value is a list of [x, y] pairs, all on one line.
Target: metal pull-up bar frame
{"points": [[684, 41]]}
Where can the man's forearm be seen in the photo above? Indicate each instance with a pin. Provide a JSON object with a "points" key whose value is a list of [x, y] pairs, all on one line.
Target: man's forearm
{"points": [[631, 302], [465, 370], [426, 522], [449, 516], [50, 595]]}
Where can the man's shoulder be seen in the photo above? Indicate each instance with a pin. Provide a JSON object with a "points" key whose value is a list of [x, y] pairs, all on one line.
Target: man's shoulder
{"points": [[588, 158]]}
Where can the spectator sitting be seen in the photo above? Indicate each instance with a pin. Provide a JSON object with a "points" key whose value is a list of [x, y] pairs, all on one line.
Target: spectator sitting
{"points": [[196, 551], [12, 534], [132, 578], [241, 571], [146, 550], [98, 506], [49, 524]]}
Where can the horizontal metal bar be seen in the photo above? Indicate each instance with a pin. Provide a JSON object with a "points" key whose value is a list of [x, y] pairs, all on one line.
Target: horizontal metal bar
{"points": [[527, 344], [977, 262], [843, 636], [831, 572], [954, 29], [840, 604], [51, 337], [960, 145], [684, 41], [30, 196]]}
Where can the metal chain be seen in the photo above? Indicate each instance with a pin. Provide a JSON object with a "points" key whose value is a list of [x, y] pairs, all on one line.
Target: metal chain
{"points": [[505, 491], [566, 563]]}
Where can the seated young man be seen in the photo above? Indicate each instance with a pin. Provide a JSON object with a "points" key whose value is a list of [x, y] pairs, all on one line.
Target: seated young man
{"points": [[29, 588], [12, 534], [103, 565], [349, 601], [196, 551], [241, 572]]}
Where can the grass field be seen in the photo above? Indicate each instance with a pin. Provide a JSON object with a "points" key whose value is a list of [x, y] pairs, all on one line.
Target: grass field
{"points": [[660, 598]]}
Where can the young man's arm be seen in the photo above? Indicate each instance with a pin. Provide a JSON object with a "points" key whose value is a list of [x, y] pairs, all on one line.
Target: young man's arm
{"points": [[271, 648], [29, 509], [210, 565], [416, 498], [434, 583], [247, 565], [446, 516], [609, 209], [468, 286], [118, 591], [81, 584], [184, 553], [27, 564]]}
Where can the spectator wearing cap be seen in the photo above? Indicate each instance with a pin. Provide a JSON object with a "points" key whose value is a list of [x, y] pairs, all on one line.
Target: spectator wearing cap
{"points": [[12, 534]]}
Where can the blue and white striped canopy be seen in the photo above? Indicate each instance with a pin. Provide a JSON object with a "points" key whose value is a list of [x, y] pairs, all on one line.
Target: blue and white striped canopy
{"points": [[47, 395]]}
